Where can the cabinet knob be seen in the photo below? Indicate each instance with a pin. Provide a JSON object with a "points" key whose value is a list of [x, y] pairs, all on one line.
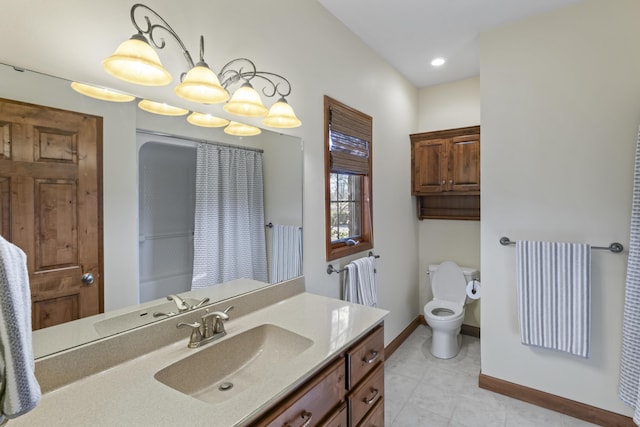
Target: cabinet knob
{"points": [[450, 181], [444, 182]]}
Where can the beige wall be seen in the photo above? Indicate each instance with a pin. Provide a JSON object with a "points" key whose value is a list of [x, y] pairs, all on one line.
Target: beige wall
{"points": [[560, 114], [299, 39], [448, 106]]}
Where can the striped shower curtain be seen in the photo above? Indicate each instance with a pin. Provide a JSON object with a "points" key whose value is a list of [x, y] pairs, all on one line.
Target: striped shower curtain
{"points": [[629, 390], [229, 234]]}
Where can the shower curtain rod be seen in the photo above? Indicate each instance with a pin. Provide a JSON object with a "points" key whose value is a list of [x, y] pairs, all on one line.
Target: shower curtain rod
{"points": [[198, 140]]}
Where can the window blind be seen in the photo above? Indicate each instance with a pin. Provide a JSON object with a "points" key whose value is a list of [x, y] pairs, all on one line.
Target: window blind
{"points": [[349, 141]]}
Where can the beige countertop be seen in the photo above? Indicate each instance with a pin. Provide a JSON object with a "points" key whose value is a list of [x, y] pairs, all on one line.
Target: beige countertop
{"points": [[129, 395]]}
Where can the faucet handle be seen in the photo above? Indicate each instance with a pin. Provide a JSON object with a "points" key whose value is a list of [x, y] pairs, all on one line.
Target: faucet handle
{"points": [[182, 304], [213, 322], [200, 303], [196, 332]]}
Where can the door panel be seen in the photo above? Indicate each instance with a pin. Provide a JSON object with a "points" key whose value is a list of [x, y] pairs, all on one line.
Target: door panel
{"points": [[50, 206], [56, 219], [431, 166], [465, 163]]}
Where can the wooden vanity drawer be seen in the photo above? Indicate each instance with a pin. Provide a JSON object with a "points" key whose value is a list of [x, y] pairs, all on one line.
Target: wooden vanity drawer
{"points": [[310, 404], [366, 395], [338, 418], [365, 356], [375, 418]]}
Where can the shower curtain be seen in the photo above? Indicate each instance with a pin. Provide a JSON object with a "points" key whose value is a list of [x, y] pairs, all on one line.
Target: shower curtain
{"points": [[629, 390], [229, 233]]}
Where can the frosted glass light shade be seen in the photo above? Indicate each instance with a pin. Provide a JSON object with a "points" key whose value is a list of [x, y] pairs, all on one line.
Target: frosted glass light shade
{"points": [[240, 129], [246, 102], [101, 93], [201, 85], [135, 61], [161, 108], [206, 120], [281, 115]]}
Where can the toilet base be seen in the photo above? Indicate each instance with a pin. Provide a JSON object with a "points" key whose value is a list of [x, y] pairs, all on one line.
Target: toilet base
{"points": [[445, 344]]}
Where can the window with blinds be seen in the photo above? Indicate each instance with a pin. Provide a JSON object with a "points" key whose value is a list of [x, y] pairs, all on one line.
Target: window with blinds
{"points": [[348, 207]]}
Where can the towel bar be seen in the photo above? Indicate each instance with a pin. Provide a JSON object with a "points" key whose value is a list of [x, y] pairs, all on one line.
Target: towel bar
{"points": [[331, 268], [615, 247]]}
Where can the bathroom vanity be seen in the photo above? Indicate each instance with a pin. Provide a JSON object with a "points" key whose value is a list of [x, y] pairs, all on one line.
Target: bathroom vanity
{"points": [[288, 357]]}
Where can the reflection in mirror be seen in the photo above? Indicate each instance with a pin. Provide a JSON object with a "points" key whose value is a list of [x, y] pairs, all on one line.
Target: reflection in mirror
{"points": [[122, 290]]}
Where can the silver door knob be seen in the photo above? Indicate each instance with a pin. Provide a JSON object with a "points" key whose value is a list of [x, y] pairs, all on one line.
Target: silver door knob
{"points": [[87, 279]]}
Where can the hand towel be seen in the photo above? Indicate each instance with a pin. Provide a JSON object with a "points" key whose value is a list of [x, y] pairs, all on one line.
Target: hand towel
{"points": [[20, 390], [367, 280], [350, 293], [359, 282], [554, 295]]}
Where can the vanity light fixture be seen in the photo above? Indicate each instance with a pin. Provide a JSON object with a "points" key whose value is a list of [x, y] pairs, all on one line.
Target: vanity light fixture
{"points": [[246, 102], [136, 61], [206, 120], [161, 108], [281, 115], [240, 129], [101, 93]]}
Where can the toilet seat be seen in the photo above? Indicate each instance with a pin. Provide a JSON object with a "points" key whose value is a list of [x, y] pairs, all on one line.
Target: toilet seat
{"points": [[449, 310], [449, 284]]}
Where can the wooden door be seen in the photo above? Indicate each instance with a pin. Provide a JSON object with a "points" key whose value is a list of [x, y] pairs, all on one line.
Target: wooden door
{"points": [[430, 166], [464, 172], [51, 196]]}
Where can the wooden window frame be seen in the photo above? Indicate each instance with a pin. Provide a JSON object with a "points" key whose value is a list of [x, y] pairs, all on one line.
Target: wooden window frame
{"points": [[339, 249]]}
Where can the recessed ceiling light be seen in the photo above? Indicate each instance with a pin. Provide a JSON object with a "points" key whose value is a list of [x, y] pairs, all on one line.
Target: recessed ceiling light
{"points": [[438, 62]]}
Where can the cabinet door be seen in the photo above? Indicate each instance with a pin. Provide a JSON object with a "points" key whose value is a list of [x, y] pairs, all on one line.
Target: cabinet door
{"points": [[430, 166], [464, 166]]}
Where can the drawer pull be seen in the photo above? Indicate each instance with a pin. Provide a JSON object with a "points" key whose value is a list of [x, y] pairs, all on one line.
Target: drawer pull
{"points": [[374, 394], [305, 417], [373, 358]]}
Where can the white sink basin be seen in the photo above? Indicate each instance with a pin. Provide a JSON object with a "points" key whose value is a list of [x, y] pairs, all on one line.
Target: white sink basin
{"points": [[224, 369], [137, 318]]}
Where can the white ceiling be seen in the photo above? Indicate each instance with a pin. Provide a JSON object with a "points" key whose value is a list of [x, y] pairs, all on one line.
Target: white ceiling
{"points": [[408, 34]]}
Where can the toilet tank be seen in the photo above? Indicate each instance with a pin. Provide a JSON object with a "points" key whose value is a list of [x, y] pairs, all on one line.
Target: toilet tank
{"points": [[470, 273]]}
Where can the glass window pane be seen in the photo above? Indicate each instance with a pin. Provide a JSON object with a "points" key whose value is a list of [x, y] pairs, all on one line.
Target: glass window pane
{"points": [[346, 206]]}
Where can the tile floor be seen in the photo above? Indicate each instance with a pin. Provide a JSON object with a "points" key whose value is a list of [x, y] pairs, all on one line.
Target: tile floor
{"points": [[422, 390]]}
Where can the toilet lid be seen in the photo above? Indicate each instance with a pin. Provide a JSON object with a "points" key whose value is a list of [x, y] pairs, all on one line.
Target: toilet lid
{"points": [[448, 283]]}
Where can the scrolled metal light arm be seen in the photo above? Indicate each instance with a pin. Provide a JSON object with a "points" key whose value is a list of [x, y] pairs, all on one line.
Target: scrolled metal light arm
{"points": [[246, 69], [150, 29], [229, 76]]}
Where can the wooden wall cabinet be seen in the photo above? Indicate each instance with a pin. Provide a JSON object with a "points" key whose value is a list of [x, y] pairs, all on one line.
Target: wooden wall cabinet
{"points": [[347, 392], [445, 173]]}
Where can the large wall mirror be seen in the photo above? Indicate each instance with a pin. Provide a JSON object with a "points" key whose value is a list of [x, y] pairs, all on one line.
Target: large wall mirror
{"points": [[127, 132]]}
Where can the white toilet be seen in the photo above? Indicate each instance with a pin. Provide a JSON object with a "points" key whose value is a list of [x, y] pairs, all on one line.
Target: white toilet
{"points": [[445, 312]]}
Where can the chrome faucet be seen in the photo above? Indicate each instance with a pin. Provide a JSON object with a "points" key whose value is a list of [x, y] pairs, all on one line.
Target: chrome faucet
{"points": [[180, 303], [210, 327]]}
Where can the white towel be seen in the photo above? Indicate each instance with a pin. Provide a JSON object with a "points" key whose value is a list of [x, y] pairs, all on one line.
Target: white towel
{"points": [[286, 252], [554, 295], [20, 391], [350, 293], [629, 388], [360, 282]]}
